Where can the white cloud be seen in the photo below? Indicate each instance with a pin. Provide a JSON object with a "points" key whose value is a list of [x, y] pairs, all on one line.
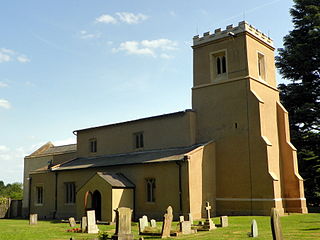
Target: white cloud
{"points": [[4, 148], [165, 56], [5, 104], [23, 59], [3, 85], [148, 47], [105, 18], [131, 18], [8, 55], [85, 35]]}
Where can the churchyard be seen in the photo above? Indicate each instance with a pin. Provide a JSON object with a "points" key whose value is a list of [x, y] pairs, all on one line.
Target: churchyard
{"points": [[295, 226]]}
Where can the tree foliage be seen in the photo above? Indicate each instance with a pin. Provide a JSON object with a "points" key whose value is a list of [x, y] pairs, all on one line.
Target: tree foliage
{"points": [[299, 62], [13, 191]]}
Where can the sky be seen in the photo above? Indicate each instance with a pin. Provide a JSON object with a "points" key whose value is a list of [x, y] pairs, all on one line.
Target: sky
{"points": [[72, 64]]}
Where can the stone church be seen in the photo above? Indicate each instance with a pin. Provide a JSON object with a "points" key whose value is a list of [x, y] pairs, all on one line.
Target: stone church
{"points": [[232, 148]]}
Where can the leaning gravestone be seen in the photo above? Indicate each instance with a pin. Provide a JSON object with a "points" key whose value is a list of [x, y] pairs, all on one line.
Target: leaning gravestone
{"points": [[123, 224], [91, 218], [33, 220], [167, 220], [224, 221], [153, 223], [72, 222], [84, 223], [276, 225], [254, 228], [185, 227], [208, 225]]}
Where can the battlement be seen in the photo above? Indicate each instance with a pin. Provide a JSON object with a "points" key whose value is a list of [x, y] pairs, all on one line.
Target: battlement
{"points": [[232, 31]]}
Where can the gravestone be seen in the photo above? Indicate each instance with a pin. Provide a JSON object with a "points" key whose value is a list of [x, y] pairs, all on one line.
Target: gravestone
{"points": [[91, 222], [276, 225], [185, 227], [153, 223], [145, 220], [123, 224], [84, 224], [254, 228], [181, 218], [33, 219], [208, 225], [190, 218], [72, 222], [143, 223], [224, 221], [167, 220]]}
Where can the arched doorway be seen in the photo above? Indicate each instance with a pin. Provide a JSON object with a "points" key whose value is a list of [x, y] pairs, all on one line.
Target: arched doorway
{"points": [[96, 204]]}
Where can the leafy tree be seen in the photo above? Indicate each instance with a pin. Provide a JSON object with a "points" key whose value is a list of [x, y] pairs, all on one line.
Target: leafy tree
{"points": [[299, 62], [13, 191]]}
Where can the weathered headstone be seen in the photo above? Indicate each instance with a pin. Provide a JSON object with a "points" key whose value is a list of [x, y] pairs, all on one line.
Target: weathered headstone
{"points": [[91, 220], [123, 224], [143, 223], [84, 223], [181, 218], [185, 227], [145, 220], [190, 218], [72, 222], [224, 221], [276, 225], [153, 223], [254, 228], [208, 225], [33, 220], [167, 220]]}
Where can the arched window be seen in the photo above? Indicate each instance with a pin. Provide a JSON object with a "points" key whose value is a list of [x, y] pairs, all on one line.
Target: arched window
{"points": [[224, 64], [218, 65]]}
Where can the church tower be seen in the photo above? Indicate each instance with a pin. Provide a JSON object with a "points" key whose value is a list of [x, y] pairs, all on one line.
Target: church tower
{"points": [[237, 103]]}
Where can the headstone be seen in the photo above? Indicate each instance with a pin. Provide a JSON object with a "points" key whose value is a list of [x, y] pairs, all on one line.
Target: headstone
{"points": [[123, 224], [72, 222], [185, 227], [91, 220], [167, 220], [84, 223], [181, 218], [145, 220], [143, 223], [190, 218], [224, 221], [153, 223], [208, 225], [254, 228], [33, 220], [276, 225]]}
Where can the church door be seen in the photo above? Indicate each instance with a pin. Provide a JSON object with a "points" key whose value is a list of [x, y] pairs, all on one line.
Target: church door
{"points": [[96, 204]]}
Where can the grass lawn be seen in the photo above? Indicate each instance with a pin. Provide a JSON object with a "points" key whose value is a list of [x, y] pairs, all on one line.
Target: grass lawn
{"points": [[295, 226]]}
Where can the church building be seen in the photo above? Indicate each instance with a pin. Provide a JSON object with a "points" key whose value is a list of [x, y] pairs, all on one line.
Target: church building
{"points": [[232, 148]]}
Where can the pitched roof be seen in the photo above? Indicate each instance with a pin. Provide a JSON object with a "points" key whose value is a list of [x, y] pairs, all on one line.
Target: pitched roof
{"points": [[141, 157], [50, 149], [117, 180]]}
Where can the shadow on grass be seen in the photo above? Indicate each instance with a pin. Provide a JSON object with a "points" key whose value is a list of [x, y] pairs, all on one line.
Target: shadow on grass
{"points": [[310, 229]]}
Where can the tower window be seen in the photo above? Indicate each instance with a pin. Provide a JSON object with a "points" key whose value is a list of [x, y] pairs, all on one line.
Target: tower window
{"points": [[138, 140], [70, 190], [261, 66], [39, 195], [218, 65], [93, 145], [151, 185]]}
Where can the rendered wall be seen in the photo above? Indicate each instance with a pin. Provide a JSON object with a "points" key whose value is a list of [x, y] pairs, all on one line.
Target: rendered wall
{"points": [[121, 197]]}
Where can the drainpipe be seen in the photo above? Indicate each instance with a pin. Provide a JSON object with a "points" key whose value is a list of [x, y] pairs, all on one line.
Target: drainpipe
{"points": [[56, 196], [29, 200], [180, 183]]}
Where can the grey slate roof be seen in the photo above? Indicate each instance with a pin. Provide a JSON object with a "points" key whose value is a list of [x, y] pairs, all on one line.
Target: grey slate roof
{"points": [[116, 180], [61, 149], [141, 157]]}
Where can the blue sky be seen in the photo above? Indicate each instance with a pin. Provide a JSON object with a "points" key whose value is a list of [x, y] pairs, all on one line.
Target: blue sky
{"points": [[67, 65]]}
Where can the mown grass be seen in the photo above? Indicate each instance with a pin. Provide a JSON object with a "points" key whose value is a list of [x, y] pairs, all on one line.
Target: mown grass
{"points": [[295, 226]]}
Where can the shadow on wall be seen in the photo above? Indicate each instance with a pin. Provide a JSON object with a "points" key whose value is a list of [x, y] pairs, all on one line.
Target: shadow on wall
{"points": [[10, 208]]}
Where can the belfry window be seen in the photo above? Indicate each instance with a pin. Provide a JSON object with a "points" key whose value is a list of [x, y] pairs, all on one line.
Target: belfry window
{"points": [[70, 190], [261, 66], [138, 140], [93, 145], [151, 185], [219, 66]]}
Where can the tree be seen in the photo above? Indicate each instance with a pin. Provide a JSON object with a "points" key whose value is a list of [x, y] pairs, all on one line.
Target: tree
{"points": [[13, 191], [299, 62]]}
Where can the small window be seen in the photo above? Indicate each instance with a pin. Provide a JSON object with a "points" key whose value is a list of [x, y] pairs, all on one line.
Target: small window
{"points": [[70, 190], [151, 185], [39, 195], [218, 65], [138, 140], [93, 145], [261, 66]]}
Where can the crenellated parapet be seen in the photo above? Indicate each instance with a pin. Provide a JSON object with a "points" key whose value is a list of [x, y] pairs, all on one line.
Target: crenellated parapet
{"points": [[232, 31]]}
